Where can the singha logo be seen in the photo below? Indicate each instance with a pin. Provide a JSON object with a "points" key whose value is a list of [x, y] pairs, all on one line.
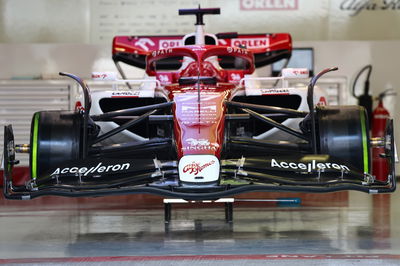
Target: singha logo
{"points": [[200, 145], [195, 142], [195, 168]]}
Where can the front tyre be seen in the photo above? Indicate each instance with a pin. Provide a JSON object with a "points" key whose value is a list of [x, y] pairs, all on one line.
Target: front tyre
{"points": [[343, 132], [56, 137]]}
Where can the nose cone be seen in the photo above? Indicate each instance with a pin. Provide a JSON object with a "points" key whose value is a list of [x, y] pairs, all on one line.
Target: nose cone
{"points": [[199, 121], [199, 169]]}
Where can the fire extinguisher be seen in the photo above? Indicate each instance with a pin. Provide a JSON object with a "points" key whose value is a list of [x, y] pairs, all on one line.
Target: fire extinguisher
{"points": [[380, 116]]}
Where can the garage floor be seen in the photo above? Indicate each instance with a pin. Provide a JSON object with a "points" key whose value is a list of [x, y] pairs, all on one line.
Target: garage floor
{"points": [[342, 228]]}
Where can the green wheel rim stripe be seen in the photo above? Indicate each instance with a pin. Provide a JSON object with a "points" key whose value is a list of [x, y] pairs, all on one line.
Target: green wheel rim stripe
{"points": [[34, 145], [364, 141]]}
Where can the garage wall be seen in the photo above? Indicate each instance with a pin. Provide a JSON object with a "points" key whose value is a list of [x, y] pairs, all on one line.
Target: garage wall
{"points": [[44, 21], [95, 21]]}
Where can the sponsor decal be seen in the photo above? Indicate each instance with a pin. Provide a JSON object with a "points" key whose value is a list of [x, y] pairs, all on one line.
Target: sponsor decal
{"points": [[195, 167], [274, 92], [205, 96], [144, 42], [104, 76], [163, 78], [269, 4], [309, 167], [161, 52], [191, 113], [300, 72], [250, 42], [295, 73], [236, 50], [204, 114], [94, 170], [186, 108], [99, 76], [199, 49], [165, 44], [357, 6], [235, 77], [199, 168], [125, 94], [200, 145]]}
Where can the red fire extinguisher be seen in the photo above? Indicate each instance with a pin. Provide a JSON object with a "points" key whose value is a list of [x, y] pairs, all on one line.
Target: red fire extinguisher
{"points": [[380, 116]]}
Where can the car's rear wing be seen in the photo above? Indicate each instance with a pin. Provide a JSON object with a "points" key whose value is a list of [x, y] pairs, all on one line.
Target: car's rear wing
{"points": [[267, 48]]}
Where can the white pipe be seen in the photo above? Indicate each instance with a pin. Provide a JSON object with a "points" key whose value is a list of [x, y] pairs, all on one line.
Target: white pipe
{"points": [[199, 35]]}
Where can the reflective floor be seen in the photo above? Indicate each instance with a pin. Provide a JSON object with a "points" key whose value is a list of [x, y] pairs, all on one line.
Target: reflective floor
{"points": [[345, 223]]}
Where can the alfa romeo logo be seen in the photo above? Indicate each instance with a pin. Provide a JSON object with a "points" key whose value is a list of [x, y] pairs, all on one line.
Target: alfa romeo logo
{"points": [[195, 168]]}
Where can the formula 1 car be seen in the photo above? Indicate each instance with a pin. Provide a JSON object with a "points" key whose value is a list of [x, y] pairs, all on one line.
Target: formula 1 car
{"points": [[199, 127]]}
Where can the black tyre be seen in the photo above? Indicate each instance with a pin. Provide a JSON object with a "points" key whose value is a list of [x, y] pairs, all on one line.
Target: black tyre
{"points": [[55, 138], [343, 132]]}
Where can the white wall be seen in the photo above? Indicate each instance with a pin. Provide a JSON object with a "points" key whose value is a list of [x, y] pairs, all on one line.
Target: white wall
{"points": [[44, 21]]}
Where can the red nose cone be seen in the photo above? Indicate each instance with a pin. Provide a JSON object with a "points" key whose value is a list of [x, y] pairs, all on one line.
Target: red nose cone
{"points": [[200, 120]]}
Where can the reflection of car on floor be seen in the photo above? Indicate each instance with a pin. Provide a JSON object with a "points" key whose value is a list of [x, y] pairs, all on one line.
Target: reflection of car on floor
{"points": [[200, 126]]}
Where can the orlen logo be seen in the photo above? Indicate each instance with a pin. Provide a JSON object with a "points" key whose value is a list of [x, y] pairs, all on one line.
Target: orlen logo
{"points": [[269, 4], [250, 42], [195, 168]]}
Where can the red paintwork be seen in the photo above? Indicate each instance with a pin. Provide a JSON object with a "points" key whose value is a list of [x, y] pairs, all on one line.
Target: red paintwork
{"points": [[199, 125], [257, 43], [199, 109]]}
